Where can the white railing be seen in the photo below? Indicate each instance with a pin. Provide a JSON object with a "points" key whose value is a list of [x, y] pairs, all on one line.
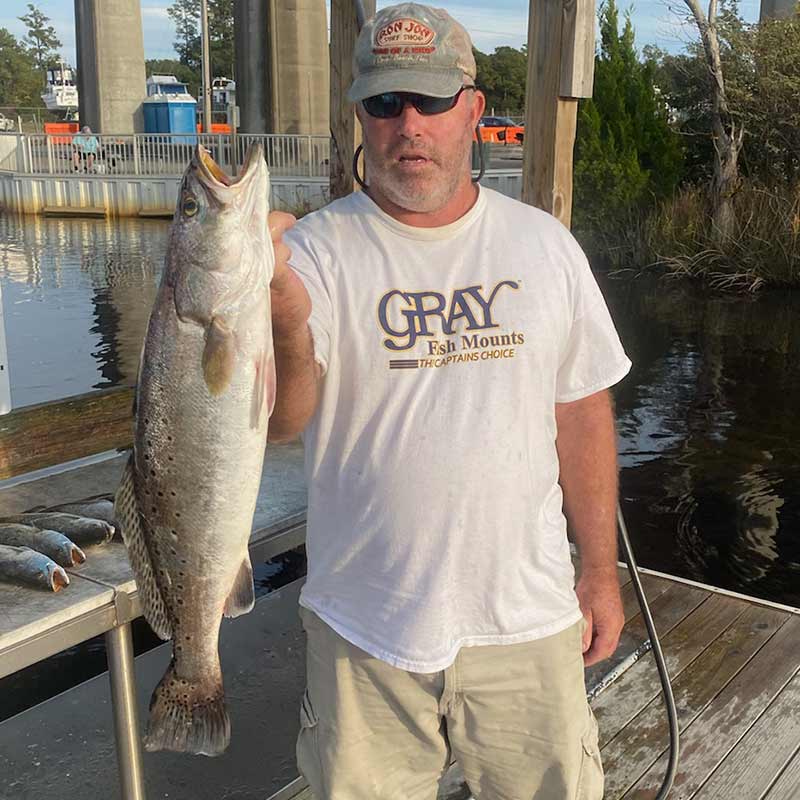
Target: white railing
{"points": [[159, 154]]}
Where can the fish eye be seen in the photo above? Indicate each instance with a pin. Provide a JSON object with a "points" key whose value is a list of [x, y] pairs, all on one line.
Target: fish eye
{"points": [[190, 206]]}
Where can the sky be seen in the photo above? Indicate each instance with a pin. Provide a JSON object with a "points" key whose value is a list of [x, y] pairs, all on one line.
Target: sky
{"points": [[500, 22]]}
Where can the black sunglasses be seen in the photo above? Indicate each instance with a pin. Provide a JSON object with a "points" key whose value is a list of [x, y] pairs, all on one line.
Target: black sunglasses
{"points": [[391, 104]]}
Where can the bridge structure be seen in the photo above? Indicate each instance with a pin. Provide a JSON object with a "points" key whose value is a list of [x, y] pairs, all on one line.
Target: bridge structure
{"points": [[281, 63]]}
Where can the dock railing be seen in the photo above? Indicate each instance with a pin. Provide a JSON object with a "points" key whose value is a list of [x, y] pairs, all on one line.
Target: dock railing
{"points": [[147, 154]]}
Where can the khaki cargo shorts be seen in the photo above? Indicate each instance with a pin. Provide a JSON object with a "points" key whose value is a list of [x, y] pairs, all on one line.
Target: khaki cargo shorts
{"points": [[515, 717]]}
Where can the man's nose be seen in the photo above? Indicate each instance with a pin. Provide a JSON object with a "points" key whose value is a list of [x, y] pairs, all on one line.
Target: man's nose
{"points": [[410, 120]]}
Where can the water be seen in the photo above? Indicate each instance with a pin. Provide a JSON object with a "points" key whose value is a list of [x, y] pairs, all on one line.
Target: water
{"points": [[707, 419]]}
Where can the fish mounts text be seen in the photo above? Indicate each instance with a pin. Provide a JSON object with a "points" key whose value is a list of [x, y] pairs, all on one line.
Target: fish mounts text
{"points": [[407, 316]]}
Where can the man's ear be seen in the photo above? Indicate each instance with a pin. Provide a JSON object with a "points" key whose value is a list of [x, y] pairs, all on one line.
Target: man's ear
{"points": [[478, 106]]}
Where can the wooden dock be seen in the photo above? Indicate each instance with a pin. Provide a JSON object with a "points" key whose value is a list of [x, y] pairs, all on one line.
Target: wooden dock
{"points": [[735, 669]]}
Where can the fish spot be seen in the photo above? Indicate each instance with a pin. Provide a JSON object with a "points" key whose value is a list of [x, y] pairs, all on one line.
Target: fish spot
{"points": [[177, 513], [160, 494], [169, 438], [153, 509], [146, 457], [153, 473], [149, 443], [188, 638], [174, 494], [180, 587], [170, 458]]}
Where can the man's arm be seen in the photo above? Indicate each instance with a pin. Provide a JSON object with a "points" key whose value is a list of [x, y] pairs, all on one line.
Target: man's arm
{"points": [[298, 374], [587, 457]]}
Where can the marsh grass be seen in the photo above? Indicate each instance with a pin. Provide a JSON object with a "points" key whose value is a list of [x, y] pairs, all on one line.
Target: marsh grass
{"points": [[677, 239]]}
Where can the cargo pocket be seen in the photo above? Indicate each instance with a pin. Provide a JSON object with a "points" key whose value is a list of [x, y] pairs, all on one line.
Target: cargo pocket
{"points": [[309, 760], [590, 778]]}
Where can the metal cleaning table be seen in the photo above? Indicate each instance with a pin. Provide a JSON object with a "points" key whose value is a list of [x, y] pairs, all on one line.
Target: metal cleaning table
{"points": [[102, 597]]}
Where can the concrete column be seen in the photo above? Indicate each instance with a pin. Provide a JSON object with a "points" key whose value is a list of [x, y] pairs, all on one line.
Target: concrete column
{"points": [[778, 9], [111, 75], [282, 66]]}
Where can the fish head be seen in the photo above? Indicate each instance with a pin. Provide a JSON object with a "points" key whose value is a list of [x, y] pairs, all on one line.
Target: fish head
{"points": [[219, 243]]}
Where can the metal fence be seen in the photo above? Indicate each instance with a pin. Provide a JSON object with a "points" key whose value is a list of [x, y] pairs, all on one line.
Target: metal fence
{"points": [[158, 154]]}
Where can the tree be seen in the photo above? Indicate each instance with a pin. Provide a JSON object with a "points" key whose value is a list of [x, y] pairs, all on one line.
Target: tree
{"points": [[726, 131], [502, 76], [41, 39], [20, 82], [186, 16], [627, 154]]}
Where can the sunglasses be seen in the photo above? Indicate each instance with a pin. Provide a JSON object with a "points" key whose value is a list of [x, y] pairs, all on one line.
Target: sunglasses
{"points": [[391, 104]]}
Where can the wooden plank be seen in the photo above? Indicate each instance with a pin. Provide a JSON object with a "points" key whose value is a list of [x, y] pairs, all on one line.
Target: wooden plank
{"points": [[787, 787], [631, 753], [668, 608], [345, 130], [39, 436], [577, 49], [73, 211], [550, 119], [714, 732], [770, 743], [640, 685]]}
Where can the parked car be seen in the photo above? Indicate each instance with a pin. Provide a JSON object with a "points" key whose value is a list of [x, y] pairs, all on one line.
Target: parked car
{"points": [[501, 129], [6, 124]]}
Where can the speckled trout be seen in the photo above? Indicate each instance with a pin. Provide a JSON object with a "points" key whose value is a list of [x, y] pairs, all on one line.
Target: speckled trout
{"points": [[205, 392]]}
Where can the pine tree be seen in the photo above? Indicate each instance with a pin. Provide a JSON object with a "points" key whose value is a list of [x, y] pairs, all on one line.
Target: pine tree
{"points": [[627, 155], [186, 16], [41, 40]]}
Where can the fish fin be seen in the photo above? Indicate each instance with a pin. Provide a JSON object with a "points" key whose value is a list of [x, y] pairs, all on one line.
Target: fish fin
{"points": [[219, 356], [132, 528], [263, 389], [242, 597], [188, 717]]}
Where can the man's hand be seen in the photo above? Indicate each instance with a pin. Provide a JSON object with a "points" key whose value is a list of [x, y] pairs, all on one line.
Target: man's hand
{"points": [[291, 305], [601, 604]]}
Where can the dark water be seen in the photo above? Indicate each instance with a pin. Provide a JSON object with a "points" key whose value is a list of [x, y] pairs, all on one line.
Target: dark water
{"points": [[708, 423], [708, 418]]}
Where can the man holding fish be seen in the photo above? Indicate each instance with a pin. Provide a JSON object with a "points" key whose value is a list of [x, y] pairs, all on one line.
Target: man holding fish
{"points": [[447, 353]]}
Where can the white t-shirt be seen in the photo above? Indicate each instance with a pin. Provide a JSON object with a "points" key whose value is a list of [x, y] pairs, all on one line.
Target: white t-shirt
{"points": [[434, 511]]}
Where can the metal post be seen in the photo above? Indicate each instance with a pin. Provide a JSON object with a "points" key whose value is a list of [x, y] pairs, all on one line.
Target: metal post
{"points": [[49, 156], [126, 724], [206, 53], [310, 158], [136, 167]]}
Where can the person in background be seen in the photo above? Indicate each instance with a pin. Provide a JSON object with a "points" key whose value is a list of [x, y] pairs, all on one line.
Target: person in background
{"points": [[84, 148], [447, 353]]}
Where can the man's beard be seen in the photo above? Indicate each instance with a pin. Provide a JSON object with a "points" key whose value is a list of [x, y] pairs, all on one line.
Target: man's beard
{"points": [[421, 193]]}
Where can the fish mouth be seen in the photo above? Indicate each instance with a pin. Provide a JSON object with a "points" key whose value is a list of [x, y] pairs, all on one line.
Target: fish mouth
{"points": [[214, 174]]}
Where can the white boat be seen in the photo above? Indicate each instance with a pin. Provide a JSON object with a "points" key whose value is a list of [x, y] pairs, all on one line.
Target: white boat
{"points": [[61, 93], [168, 88], [223, 92]]}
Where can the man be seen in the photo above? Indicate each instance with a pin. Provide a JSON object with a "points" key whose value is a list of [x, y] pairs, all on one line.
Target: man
{"points": [[84, 148], [447, 352]]}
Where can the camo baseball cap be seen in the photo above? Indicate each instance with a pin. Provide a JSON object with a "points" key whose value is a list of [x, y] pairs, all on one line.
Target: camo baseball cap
{"points": [[412, 48]]}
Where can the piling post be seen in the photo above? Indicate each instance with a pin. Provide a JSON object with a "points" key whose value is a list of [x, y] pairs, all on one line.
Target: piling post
{"points": [[345, 130], [560, 70]]}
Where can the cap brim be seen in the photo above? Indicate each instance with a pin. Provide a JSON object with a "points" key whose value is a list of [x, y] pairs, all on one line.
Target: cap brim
{"points": [[442, 83]]}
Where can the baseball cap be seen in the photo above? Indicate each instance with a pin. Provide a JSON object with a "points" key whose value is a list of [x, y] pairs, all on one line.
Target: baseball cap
{"points": [[412, 48]]}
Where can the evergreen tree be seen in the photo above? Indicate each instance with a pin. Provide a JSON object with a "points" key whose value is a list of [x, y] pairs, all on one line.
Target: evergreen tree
{"points": [[20, 82], [627, 155], [501, 76], [41, 40], [186, 16]]}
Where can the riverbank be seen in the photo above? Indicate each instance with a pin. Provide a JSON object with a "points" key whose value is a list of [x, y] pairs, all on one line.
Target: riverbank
{"points": [[677, 239]]}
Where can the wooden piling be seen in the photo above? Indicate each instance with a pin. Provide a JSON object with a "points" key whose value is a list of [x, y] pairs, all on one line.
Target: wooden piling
{"points": [[345, 130], [560, 70]]}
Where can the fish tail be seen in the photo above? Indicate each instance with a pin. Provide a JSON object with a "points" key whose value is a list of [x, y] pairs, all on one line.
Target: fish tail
{"points": [[188, 717]]}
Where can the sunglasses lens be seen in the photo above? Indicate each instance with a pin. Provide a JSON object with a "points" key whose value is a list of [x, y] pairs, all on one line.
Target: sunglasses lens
{"points": [[390, 104], [383, 106], [433, 105]]}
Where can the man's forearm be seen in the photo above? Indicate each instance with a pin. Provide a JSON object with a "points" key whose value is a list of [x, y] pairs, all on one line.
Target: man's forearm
{"points": [[587, 456], [297, 390]]}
